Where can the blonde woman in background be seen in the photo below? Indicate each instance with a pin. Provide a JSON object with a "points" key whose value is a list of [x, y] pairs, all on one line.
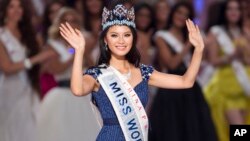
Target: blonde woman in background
{"points": [[63, 116]]}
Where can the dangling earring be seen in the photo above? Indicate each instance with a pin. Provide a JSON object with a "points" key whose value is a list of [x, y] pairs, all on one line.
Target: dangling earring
{"points": [[106, 46]]}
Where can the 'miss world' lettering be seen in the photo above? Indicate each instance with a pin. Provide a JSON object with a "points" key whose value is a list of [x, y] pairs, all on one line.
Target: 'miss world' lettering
{"points": [[132, 123], [123, 101]]}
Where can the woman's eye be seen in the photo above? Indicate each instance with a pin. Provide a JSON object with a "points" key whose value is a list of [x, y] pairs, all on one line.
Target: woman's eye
{"points": [[127, 35], [113, 35]]}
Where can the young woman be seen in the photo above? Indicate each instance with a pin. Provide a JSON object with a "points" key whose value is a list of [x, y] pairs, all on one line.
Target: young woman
{"points": [[161, 11], [92, 10], [144, 24], [119, 83], [228, 91], [63, 116], [178, 115], [47, 81], [49, 15], [19, 72]]}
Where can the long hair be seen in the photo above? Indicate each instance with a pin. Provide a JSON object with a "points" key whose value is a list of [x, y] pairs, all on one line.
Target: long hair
{"points": [[173, 11], [28, 38], [87, 15], [141, 6], [133, 55], [46, 20], [223, 18], [214, 14]]}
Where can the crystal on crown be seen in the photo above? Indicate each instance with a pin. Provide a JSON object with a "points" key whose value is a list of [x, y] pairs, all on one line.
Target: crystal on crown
{"points": [[120, 15]]}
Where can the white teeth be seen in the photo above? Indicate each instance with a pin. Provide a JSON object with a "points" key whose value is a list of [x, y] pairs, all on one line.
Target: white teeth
{"points": [[121, 47]]}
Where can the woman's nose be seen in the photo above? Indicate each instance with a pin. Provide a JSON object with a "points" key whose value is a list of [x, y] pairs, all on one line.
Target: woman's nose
{"points": [[121, 40]]}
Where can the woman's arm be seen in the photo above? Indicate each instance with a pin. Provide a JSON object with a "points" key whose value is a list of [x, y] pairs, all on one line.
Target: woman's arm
{"points": [[9, 67], [80, 85], [163, 80]]}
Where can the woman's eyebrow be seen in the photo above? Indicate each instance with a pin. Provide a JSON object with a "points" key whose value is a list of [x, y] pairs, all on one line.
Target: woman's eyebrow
{"points": [[123, 32]]}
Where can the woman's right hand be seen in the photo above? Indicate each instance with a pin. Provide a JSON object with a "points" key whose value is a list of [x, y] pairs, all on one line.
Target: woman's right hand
{"points": [[73, 36]]}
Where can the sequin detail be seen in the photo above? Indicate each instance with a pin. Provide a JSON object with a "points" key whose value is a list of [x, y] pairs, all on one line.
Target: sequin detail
{"points": [[114, 132]]}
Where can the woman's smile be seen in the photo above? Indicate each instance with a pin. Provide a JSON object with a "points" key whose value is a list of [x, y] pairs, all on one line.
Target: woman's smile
{"points": [[121, 47], [119, 40]]}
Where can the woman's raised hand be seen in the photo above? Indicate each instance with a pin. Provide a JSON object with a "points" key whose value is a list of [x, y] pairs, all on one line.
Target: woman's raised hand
{"points": [[73, 36], [195, 36]]}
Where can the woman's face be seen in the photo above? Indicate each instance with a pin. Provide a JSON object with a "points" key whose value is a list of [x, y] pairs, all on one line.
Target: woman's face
{"points": [[14, 11], [72, 19], [143, 18], [161, 11], [119, 40], [54, 8], [94, 6], [233, 12], [180, 16]]}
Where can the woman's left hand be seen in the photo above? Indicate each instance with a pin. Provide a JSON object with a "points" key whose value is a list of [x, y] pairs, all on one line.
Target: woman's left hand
{"points": [[194, 35]]}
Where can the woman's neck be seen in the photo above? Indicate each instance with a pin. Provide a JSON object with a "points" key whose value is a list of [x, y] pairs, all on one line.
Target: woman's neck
{"points": [[12, 26], [120, 64], [177, 32], [232, 25]]}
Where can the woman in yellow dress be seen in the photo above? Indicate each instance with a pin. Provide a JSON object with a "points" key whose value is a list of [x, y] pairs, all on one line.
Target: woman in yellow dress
{"points": [[228, 97]]}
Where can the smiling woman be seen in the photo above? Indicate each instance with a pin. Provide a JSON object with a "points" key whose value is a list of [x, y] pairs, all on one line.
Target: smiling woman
{"points": [[118, 56], [122, 41]]}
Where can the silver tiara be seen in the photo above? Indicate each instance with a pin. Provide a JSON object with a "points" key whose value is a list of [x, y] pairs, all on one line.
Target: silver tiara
{"points": [[120, 15]]}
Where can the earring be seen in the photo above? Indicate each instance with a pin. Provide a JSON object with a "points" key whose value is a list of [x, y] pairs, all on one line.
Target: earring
{"points": [[106, 46]]}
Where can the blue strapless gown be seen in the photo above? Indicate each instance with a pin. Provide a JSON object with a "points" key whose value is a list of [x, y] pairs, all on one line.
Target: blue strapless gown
{"points": [[111, 130]]}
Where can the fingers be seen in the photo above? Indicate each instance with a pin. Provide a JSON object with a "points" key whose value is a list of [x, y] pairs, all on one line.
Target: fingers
{"points": [[64, 29], [188, 26], [78, 32], [197, 29], [191, 26], [63, 35], [70, 27], [67, 29]]}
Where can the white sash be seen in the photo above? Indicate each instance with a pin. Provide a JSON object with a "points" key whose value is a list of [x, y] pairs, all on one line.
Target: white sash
{"points": [[174, 44], [206, 72], [61, 49], [127, 105], [16, 51], [228, 48]]}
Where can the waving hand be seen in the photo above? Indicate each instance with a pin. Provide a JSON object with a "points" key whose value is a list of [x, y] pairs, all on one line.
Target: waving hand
{"points": [[194, 35], [73, 36]]}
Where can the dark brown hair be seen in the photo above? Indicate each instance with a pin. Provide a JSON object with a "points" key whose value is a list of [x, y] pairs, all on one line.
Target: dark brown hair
{"points": [[28, 37], [133, 55]]}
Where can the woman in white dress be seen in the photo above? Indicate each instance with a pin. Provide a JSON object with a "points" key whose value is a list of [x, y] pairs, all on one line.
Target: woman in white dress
{"points": [[19, 72], [63, 116]]}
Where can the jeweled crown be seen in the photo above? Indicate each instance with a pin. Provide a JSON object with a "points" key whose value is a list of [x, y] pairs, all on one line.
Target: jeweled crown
{"points": [[120, 15]]}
